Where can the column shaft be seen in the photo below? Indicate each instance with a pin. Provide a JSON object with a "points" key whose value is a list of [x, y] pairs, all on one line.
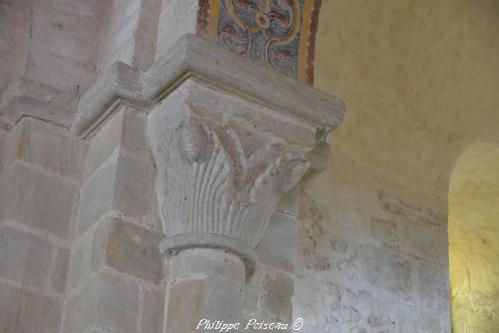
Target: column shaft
{"points": [[206, 285]]}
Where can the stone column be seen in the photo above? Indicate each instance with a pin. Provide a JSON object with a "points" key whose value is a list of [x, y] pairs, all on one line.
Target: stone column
{"points": [[223, 162], [229, 139], [204, 283]]}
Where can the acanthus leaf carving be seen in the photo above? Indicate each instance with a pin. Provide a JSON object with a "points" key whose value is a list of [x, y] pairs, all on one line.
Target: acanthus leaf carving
{"points": [[211, 186]]}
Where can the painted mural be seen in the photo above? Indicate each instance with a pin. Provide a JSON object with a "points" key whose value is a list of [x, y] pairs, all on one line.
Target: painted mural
{"points": [[276, 33]]}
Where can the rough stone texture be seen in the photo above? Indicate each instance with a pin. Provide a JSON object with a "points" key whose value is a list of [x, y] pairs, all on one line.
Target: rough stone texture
{"points": [[185, 300], [275, 298], [373, 263], [278, 247], [24, 258], [42, 165], [106, 301], [47, 147], [152, 318], [115, 255], [178, 17], [36, 199], [22, 311], [123, 184], [13, 29], [56, 48], [60, 270], [61, 42], [40, 172], [119, 174], [3, 148], [130, 33], [200, 278], [123, 246]]}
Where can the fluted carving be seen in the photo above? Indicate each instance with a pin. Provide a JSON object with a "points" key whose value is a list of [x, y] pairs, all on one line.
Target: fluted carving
{"points": [[223, 165], [212, 186]]}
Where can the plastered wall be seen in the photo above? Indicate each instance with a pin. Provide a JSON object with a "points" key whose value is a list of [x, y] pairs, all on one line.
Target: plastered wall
{"points": [[474, 240], [420, 80]]}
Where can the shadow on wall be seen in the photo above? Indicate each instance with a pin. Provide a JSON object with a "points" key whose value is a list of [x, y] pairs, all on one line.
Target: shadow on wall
{"points": [[474, 240]]}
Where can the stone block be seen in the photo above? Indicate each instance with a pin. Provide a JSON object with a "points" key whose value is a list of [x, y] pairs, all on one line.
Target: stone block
{"points": [[174, 25], [87, 8], [275, 298], [118, 302], [36, 199], [22, 311], [125, 131], [134, 192], [49, 147], [145, 46], [278, 247], [61, 32], [124, 9], [123, 184], [24, 258], [134, 137], [86, 258], [134, 250], [121, 44], [185, 300], [62, 52], [76, 76], [59, 274], [97, 194], [104, 144], [153, 309], [56, 150], [107, 300], [28, 98], [3, 149], [123, 246]]}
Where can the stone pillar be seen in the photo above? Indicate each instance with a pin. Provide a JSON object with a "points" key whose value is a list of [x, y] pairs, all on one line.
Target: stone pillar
{"points": [[228, 143], [191, 141], [204, 283], [223, 163]]}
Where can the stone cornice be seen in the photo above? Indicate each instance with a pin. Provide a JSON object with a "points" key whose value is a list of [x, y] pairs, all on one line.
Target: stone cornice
{"points": [[205, 61]]}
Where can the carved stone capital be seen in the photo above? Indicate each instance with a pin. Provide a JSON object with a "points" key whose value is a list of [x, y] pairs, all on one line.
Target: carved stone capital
{"points": [[229, 139], [223, 163]]}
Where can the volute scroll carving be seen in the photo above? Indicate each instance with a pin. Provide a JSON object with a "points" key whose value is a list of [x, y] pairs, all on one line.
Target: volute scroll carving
{"points": [[220, 174]]}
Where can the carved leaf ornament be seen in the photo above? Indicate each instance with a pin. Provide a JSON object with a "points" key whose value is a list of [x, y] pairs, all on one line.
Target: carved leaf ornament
{"points": [[213, 187]]}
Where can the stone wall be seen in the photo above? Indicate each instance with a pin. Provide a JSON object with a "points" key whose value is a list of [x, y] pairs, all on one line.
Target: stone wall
{"points": [[79, 243], [39, 192], [370, 262], [87, 259], [115, 278]]}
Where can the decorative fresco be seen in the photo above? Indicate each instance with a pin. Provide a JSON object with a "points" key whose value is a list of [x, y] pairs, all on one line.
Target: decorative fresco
{"points": [[278, 33]]}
